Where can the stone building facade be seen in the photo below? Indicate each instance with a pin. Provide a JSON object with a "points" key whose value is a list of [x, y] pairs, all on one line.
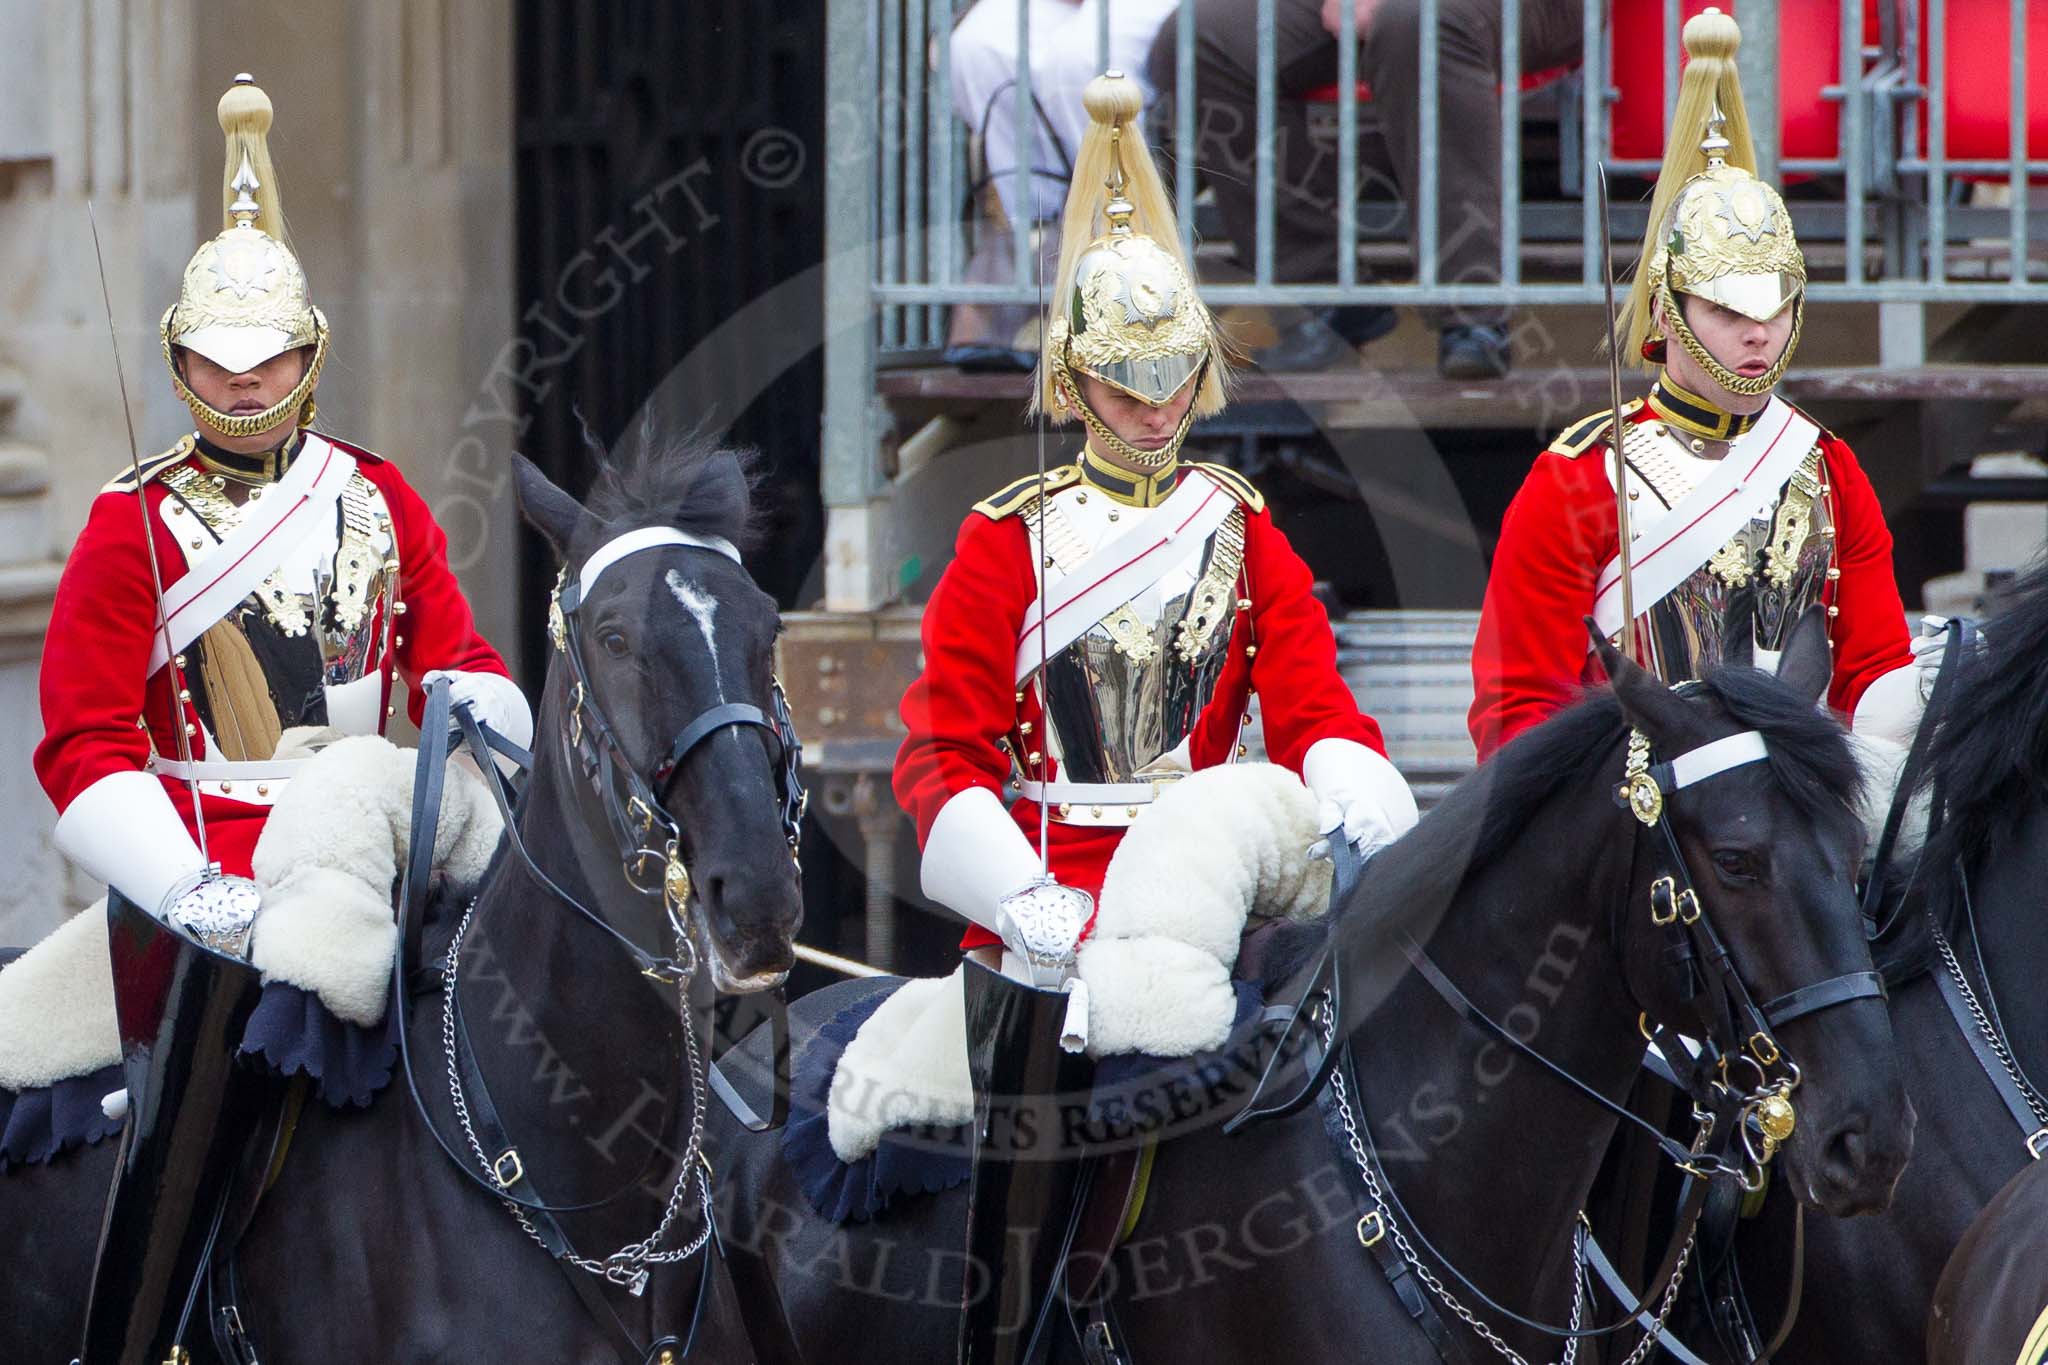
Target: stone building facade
{"points": [[394, 145]]}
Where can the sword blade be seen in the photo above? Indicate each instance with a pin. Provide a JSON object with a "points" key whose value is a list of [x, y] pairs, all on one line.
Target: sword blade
{"points": [[156, 577], [1039, 568], [1614, 431]]}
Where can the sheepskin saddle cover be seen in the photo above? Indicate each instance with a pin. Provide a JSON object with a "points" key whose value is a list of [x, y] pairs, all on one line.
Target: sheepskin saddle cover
{"points": [[325, 863], [1216, 848]]}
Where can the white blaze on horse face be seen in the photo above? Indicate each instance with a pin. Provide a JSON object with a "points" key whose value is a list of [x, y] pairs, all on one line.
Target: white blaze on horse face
{"points": [[702, 606]]}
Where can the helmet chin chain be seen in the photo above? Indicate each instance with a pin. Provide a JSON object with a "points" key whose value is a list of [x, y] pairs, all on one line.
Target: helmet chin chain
{"points": [[298, 402], [1109, 443], [1674, 317]]}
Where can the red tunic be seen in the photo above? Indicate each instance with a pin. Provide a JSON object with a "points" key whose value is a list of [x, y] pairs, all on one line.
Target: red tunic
{"points": [[965, 701], [100, 635], [1531, 658]]}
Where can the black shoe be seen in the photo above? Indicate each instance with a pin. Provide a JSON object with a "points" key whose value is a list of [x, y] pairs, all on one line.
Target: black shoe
{"points": [[1363, 324], [1472, 353], [982, 358], [1323, 338]]}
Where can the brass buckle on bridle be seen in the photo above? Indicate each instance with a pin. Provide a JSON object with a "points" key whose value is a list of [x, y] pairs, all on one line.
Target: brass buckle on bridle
{"points": [[642, 814], [1664, 902], [1671, 903]]}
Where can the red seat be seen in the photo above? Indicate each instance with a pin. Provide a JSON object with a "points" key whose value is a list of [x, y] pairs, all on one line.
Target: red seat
{"points": [[1809, 59], [1979, 79], [1531, 82]]}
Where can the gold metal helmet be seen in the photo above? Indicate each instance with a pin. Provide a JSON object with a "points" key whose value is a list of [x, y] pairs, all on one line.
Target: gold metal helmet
{"points": [[1716, 231], [243, 299], [1124, 309]]}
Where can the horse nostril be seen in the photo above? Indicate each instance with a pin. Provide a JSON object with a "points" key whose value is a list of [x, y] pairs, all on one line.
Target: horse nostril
{"points": [[1849, 1151]]}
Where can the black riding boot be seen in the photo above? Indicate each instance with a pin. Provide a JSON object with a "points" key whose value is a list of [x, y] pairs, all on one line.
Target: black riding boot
{"points": [[1020, 1199], [192, 1110]]}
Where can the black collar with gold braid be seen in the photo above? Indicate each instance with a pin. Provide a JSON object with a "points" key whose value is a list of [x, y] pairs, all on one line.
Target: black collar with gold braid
{"points": [[1148, 489], [1694, 415], [265, 466]]}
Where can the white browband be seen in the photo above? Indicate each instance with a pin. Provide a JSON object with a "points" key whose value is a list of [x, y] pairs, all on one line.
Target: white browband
{"points": [[646, 538], [1697, 765]]}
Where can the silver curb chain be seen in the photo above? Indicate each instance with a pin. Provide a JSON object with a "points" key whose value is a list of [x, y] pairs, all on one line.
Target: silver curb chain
{"points": [[629, 1265], [1326, 1019]]}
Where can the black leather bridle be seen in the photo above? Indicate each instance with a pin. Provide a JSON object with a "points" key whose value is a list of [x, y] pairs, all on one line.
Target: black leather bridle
{"points": [[631, 801], [1757, 1117]]}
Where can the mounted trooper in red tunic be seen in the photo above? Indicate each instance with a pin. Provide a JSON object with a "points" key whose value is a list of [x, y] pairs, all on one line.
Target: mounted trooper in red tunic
{"points": [[1744, 512], [255, 586], [1099, 635]]}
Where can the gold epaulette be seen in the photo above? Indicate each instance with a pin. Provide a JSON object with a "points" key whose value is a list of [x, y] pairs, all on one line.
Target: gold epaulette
{"points": [[1573, 440], [1235, 484], [125, 481], [1013, 498]]}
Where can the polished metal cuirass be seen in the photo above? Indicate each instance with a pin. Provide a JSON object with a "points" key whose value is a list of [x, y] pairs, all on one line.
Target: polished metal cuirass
{"points": [[1121, 701], [319, 622], [1740, 606]]}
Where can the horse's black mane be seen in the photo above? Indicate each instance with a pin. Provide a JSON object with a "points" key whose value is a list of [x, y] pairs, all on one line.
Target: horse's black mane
{"points": [[1810, 760], [1989, 758], [687, 480], [1493, 806]]}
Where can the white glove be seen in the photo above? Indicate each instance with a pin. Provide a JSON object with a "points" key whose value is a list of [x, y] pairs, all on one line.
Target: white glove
{"points": [[124, 831], [1359, 790], [1890, 707], [1928, 647], [357, 708], [493, 699], [979, 864]]}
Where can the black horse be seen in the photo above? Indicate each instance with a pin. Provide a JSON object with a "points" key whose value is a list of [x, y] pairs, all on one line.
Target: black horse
{"points": [[1537, 888], [371, 1246], [1868, 1283]]}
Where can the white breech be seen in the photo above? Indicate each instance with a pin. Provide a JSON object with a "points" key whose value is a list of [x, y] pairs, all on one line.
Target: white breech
{"points": [[1064, 42]]}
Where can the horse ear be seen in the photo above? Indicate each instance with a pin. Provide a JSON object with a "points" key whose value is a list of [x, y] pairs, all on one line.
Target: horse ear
{"points": [[546, 508], [1808, 664], [1649, 705]]}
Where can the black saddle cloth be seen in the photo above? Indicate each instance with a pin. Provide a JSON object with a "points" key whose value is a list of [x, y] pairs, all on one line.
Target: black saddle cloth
{"points": [[1135, 1099]]}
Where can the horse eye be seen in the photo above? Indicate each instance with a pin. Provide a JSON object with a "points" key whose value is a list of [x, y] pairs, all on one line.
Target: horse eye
{"points": [[1735, 863], [614, 644]]}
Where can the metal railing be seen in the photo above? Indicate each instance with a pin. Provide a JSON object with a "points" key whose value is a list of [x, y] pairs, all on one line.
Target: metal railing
{"points": [[916, 152], [1889, 206]]}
